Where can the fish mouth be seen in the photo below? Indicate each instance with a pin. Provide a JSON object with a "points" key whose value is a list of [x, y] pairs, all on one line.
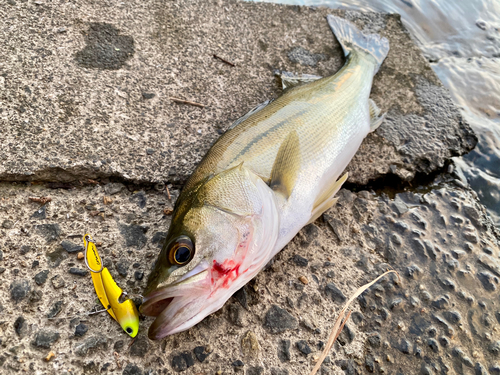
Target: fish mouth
{"points": [[175, 306]]}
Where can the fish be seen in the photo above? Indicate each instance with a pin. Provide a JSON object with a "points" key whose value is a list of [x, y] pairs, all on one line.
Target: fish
{"points": [[272, 172]]}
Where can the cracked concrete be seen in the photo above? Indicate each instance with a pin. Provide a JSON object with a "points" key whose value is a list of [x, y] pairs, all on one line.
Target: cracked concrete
{"points": [[85, 87]]}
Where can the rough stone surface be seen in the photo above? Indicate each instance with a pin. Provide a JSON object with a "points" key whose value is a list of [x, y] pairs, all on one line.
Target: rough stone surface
{"points": [[19, 289], [442, 317], [44, 339], [77, 113], [91, 345], [278, 320]]}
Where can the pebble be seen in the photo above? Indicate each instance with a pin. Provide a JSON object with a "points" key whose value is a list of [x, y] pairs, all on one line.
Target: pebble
{"points": [[41, 277], [55, 309], [91, 345], [57, 282], [45, 338], [122, 267], [139, 347], [51, 232], [80, 256], [182, 361], [71, 247], [238, 363], [113, 188], [40, 214], [159, 239], [133, 235], [235, 315], [8, 224], [19, 289], [201, 353], [250, 345], [279, 371], [78, 271], [80, 330], [300, 261], [132, 369], [334, 293], [19, 326], [278, 320], [303, 280], [56, 257], [303, 347], [284, 350], [255, 370], [119, 345], [138, 275], [24, 250]]}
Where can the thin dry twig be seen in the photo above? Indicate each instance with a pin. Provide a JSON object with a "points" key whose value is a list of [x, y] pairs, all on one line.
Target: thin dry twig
{"points": [[168, 193], [340, 322], [224, 60], [41, 200], [182, 101]]}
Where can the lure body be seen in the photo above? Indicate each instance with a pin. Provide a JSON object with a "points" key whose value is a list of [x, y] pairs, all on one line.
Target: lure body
{"points": [[109, 292]]}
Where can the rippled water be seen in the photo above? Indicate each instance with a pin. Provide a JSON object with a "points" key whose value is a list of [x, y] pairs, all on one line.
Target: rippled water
{"points": [[461, 39]]}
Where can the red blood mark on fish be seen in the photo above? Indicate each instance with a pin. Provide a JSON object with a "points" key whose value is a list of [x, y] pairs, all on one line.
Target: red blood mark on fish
{"points": [[225, 273]]}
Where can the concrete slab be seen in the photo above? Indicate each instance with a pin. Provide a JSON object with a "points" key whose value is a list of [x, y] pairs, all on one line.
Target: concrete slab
{"points": [[442, 315], [85, 87]]}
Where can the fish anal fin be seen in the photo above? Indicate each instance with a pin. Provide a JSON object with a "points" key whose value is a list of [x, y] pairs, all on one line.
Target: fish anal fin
{"points": [[375, 118], [327, 199], [286, 166], [322, 208]]}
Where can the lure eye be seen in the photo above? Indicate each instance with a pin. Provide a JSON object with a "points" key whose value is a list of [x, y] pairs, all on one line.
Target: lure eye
{"points": [[181, 251], [129, 330]]}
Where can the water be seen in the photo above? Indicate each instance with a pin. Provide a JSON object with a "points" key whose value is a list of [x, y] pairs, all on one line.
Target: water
{"points": [[461, 39]]}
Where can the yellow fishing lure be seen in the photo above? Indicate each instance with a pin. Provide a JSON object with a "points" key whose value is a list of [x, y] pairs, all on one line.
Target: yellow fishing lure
{"points": [[108, 292]]}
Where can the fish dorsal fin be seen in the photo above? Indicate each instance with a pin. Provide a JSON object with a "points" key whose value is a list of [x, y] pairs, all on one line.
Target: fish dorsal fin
{"points": [[327, 199], [249, 113], [289, 79], [286, 166]]}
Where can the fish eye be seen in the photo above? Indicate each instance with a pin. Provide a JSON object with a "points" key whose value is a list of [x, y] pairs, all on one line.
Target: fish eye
{"points": [[129, 330], [181, 251]]}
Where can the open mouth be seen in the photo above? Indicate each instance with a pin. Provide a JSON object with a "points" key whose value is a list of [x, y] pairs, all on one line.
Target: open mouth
{"points": [[193, 283], [155, 308]]}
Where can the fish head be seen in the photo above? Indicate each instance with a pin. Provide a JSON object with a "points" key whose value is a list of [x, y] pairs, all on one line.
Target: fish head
{"points": [[222, 233]]}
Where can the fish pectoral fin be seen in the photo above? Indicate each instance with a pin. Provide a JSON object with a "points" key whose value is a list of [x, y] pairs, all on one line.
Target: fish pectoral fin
{"points": [[375, 118], [249, 113], [289, 79], [327, 198], [286, 166]]}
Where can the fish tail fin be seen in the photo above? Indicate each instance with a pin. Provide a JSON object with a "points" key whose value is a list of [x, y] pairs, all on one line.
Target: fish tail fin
{"points": [[351, 38]]}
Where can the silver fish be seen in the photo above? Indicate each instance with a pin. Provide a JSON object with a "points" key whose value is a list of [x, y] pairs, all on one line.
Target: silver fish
{"points": [[274, 171]]}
